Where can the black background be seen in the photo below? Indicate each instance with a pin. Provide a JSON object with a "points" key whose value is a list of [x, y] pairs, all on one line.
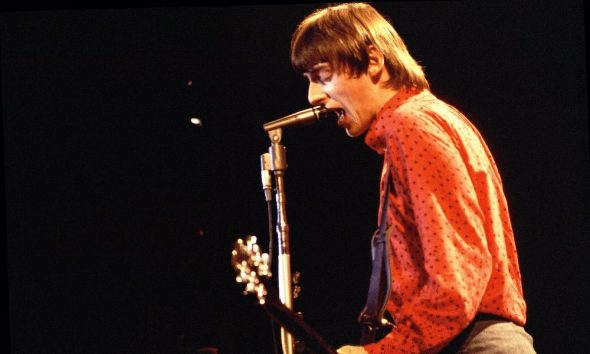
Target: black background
{"points": [[121, 215]]}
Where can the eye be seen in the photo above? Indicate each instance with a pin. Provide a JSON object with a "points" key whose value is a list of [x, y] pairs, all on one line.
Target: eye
{"points": [[320, 73], [323, 76]]}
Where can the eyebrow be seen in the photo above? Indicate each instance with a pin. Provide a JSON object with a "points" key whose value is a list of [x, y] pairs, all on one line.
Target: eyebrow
{"points": [[317, 67]]}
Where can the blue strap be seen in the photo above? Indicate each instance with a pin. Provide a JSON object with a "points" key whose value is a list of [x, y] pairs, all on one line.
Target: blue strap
{"points": [[371, 317]]}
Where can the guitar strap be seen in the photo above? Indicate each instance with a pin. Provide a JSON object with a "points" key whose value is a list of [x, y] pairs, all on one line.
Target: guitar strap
{"points": [[371, 317]]}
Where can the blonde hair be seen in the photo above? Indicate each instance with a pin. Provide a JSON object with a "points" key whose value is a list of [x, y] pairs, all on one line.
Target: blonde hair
{"points": [[340, 35]]}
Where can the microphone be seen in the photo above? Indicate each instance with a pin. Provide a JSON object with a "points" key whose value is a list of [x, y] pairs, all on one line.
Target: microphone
{"points": [[299, 119], [265, 176]]}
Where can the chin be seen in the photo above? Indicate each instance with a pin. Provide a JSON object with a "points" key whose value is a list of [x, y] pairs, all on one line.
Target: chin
{"points": [[353, 133]]}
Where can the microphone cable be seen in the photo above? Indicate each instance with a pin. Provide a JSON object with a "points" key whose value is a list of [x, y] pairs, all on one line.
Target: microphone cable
{"points": [[270, 257]]}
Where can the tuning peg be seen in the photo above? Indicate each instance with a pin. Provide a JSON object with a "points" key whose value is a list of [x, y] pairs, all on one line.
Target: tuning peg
{"points": [[296, 287], [296, 291]]}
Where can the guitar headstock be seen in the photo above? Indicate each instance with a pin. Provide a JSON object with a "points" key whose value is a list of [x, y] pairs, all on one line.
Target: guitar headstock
{"points": [[250, 265], [253, 269]]}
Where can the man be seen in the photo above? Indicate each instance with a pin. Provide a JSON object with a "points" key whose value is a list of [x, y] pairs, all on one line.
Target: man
{"points": [[456, 283]]}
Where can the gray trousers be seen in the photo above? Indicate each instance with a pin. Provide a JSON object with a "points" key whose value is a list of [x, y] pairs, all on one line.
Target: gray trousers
{"points": [[497, 337]]}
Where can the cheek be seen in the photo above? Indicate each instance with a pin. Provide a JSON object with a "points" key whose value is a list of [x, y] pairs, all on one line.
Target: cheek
{"points": [[330, 88], [346, 91]]}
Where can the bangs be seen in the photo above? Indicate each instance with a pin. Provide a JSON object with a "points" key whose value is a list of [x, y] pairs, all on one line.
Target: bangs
{"points": [[309, 48], [330, 36]]}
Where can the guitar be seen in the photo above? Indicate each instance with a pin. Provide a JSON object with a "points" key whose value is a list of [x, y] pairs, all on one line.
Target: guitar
{"points": [[253, 270]]}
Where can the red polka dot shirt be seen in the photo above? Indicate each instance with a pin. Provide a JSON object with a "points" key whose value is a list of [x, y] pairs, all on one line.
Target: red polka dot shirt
{"points": [[452, 245]]}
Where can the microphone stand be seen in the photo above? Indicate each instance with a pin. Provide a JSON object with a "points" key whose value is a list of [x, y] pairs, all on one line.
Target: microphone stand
{"points": [[278, 165]]}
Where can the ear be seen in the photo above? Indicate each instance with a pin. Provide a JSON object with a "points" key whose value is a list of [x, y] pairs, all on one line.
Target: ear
{"points": [[376, 63]]}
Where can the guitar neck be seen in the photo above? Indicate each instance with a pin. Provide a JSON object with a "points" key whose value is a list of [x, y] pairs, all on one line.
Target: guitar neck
{"points": [[311, 339]]}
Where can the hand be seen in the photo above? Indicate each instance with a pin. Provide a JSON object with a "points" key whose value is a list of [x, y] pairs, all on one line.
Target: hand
{"points": [[351, 349]]}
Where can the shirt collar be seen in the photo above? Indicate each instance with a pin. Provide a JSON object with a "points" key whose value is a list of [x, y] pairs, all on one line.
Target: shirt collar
{"points": [[375, 138]]}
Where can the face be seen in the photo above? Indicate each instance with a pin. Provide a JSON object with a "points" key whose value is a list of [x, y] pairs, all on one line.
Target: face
{"points": [[351, 97]]}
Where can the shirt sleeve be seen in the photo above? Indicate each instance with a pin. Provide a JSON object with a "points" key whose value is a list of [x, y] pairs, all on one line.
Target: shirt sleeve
{"points": [[441, 264]]}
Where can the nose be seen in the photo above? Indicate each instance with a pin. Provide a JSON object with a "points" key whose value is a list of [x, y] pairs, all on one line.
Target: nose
{"points": [[316, 95]]}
